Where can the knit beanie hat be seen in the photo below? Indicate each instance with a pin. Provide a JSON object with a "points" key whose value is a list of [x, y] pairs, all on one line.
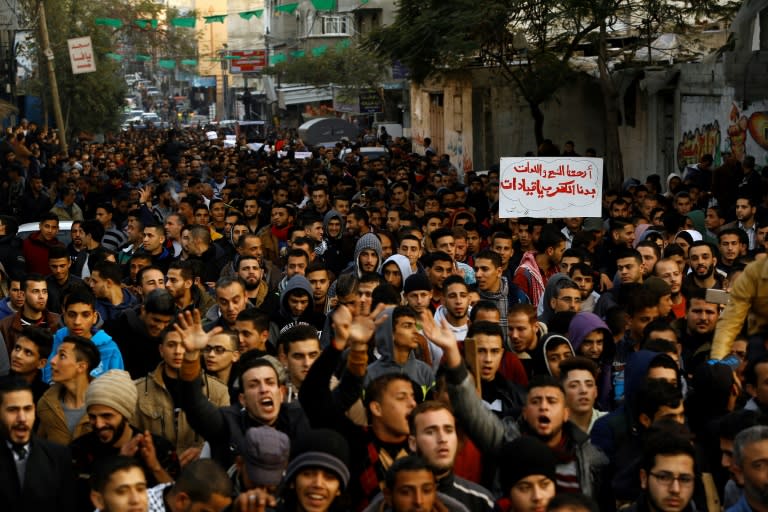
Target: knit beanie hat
{"points": [[417, 282], [113, 389], [266, 455], [523, 457], [321, 448]]}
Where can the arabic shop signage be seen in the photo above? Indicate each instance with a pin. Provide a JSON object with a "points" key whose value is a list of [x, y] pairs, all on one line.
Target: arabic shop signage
{"points": [[81, 55], [543, 187]]}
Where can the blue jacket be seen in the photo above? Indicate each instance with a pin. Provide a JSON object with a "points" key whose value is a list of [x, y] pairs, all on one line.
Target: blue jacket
{"points": [[740, 506], [111, 358], [109, 312], [5, 308]]}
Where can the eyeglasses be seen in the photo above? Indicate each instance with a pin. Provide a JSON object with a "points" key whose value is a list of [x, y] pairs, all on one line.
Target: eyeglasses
{"points": [[216, 350], [666, 478]]}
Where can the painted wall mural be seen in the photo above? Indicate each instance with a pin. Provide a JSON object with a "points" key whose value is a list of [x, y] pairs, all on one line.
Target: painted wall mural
{"points": [[716, 125]]}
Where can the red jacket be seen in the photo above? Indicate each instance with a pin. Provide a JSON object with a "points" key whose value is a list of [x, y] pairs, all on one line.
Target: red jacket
{"points": [[35, 251]]}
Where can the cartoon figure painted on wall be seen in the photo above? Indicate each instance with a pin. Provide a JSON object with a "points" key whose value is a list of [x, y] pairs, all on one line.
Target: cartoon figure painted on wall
{"points": [[737, 133], [758, 128]]}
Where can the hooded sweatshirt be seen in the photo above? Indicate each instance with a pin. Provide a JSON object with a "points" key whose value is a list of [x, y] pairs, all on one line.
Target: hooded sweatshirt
{"points": [[110, 312], [581, 325], [367, 241], [330, 248], [544, 309], [672, 175], [317, 320], [403, 263], [417, 370], [618, 435], [111, 358], [540, 362]]}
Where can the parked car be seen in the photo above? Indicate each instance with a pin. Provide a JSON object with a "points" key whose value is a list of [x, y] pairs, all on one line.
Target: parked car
{"points": [[64, 235]]}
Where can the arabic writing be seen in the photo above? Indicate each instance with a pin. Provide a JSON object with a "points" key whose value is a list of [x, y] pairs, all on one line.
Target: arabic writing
{"points": [[81, 55], [550, 186], [559, 171], [535, 187]]}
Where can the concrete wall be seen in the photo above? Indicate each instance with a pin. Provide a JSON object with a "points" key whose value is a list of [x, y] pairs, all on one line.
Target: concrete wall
{"points": [[712, 119]]}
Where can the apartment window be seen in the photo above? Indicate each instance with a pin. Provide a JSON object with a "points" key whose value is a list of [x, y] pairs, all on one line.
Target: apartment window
{"points": [[336, 25]]}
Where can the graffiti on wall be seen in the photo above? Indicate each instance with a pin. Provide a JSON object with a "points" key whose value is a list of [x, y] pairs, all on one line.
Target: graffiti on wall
{"points": [[460, 155], [730, 129], [703, 140]]}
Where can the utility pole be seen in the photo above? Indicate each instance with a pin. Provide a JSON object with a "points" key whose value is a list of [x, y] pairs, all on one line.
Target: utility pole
{"points": [[48, 53]]}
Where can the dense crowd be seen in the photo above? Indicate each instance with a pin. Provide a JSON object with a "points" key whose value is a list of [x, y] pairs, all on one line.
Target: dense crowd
{"points": [[196, 323]]}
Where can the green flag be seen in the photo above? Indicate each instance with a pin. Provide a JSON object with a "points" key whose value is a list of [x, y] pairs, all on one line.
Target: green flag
{"points": [[289, 8], [344, 44], [166, 63], [316, 52], [115, 56], [189, 62], [276, 59], [324, 5], [109, 22], [145, 23], [142, 58], [247, 15], [219, 18], [188, 22], [297, 54]]}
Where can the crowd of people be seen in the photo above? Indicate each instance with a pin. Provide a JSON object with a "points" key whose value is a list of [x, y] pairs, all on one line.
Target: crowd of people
{"points": [[193, 325]]}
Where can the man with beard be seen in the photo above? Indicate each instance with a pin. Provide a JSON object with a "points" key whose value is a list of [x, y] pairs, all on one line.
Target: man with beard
{"points": [[111, 402], [668, 270], [545, 416], [274, 236], [180, 283], [251, 273], [703, 263], [745, 220], [749, 449], [668, 474], [37, 474], [455, 306], [251, 211], [433, 437], [698, 329]]}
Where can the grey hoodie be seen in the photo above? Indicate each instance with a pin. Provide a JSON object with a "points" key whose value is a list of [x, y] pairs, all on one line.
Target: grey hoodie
{"points": [[367, 241], [545, 311], [402, 262], [417, 370]]}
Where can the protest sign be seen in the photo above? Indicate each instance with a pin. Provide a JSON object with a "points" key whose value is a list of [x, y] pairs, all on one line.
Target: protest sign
{"points": [[543, 187], [81, 55]]}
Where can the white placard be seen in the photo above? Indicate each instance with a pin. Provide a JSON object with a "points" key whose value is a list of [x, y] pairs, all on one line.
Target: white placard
{"points": [[81, 55], [544, 187]]}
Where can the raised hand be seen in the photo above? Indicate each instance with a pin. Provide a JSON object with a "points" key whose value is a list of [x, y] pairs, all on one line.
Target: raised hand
{"points": [[354, 329], [193, 336], [341, 322], [442, 336]]}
